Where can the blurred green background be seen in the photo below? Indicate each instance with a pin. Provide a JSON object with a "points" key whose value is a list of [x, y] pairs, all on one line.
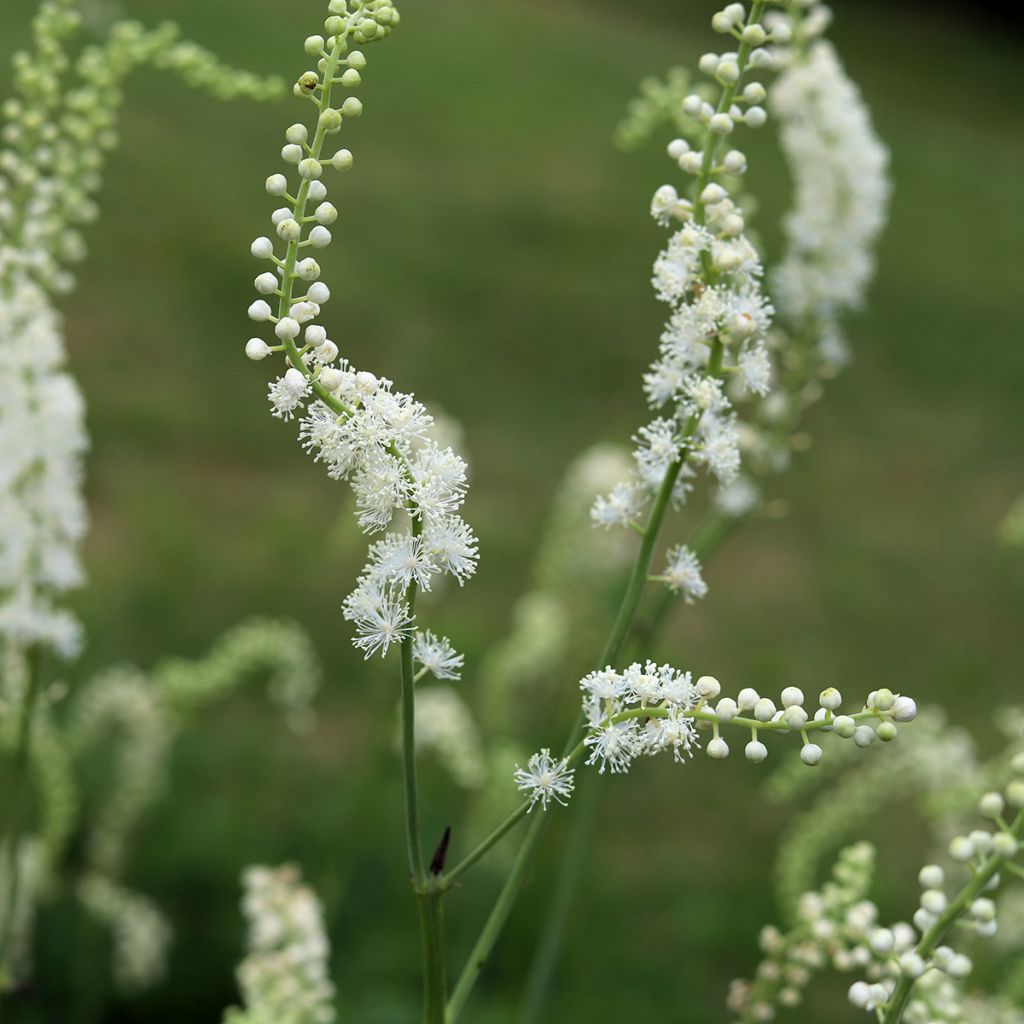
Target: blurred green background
{"points": [[494, 256]]}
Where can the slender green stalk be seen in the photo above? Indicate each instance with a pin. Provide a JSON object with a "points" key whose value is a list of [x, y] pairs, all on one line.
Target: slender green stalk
{"points": [[467, 862], [414, 843], [634, 588], [524, 858], [546, 956], [496, 920], [19, 805], [956, 909], [434, 976]]}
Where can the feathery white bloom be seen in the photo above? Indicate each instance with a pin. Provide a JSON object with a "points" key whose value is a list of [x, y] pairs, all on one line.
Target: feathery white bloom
{"points": [[437, 655], [683, 574], [544, 779]]}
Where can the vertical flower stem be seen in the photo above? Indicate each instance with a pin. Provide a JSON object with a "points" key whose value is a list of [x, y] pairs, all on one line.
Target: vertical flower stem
{"points": [[19, 805], [634, 588], [414, 843], [427, 887]]}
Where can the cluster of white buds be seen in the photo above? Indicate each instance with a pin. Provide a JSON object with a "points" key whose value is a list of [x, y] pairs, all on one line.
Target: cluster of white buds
{"points": [[828, 927], [899, 958], [353, 422], [709, 273], [649, 708], [284, 978]]}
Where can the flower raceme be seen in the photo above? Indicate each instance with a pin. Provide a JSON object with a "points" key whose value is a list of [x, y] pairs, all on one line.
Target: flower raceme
{"points": [[713, 351], [648, 709], [354, 423]]}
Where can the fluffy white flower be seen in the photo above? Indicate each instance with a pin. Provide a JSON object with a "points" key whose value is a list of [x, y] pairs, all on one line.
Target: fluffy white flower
{"points": [[544, 779], [683, 574]]}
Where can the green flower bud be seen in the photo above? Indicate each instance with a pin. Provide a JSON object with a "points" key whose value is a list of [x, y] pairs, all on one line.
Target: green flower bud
{"points": [[330, 120]]}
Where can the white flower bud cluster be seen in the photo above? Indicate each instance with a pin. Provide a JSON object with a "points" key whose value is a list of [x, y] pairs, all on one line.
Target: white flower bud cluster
{"points": [[649, 708], [140, 934], [909, 965], [57, 130], [352, 421], [709, 273], [840, 174], [828, 925], [284, 978]]}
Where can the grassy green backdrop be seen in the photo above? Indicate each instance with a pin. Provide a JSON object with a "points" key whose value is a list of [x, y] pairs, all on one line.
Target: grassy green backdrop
{"points": [[493, 255]]}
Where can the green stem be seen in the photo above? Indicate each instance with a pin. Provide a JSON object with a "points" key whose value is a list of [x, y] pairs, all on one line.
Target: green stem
{"points": [[546, 956], [524, 858], [432, 934], [496, 920], [630, 600], [19, 809], [956, 909], [467, 862], [414, 843]]}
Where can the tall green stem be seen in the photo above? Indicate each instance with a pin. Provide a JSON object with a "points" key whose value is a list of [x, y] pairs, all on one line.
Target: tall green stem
{"points": [[524, 858], [20, 804], [538, 982]]}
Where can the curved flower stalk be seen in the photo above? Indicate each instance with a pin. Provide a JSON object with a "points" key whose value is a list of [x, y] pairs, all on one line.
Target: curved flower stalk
{"points": [[913, 971], [140, 934], [360, 428], [132, 719], [284, 977], [357, 425], [714, 356]]}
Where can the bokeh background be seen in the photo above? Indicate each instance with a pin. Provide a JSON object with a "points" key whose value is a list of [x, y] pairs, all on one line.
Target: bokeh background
{"points": [[494, 255]]}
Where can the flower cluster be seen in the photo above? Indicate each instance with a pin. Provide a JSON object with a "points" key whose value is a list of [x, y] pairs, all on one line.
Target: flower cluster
{"points": [[709, 274], [829, 924], [839, 170], [897, 959], [56, 130], [284, 978], [42, 440], [356, 424], [911, 969]]}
